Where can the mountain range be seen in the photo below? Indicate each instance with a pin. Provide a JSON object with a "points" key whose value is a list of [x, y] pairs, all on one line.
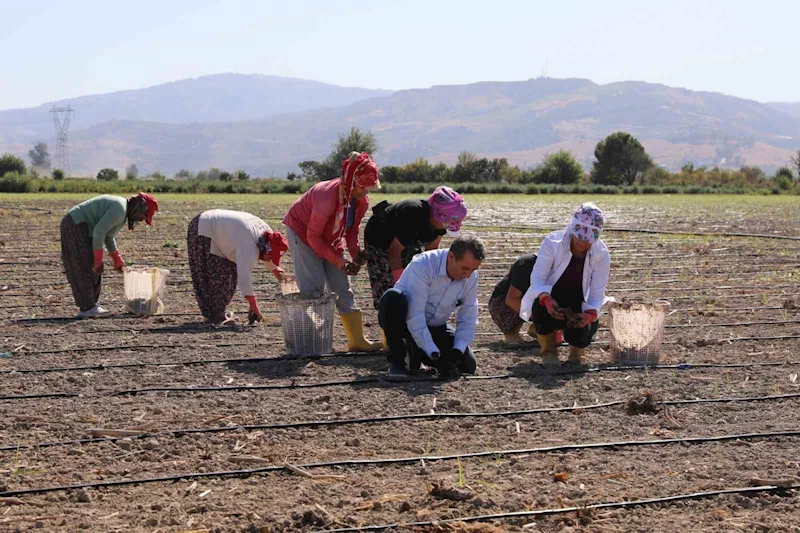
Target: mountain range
{"points": [[266, 125]]}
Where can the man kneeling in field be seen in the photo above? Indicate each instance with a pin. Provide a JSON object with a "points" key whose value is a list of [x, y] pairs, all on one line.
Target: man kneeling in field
{"points": [[414, 313]]}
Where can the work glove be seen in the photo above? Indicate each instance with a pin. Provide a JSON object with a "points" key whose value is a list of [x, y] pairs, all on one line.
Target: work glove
{"points": [[584, 319], [279, 273], [98, 261], [254, 314], [552, 306], [119, 264]]}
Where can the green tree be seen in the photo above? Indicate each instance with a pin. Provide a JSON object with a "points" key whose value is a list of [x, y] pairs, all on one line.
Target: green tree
{"points": [[11, 163], [560, 167], [225, 176], [311, 170], [214, 173], [108, 174], [466, 159], [620, 160], [131, 172], [201, 176], [353, 141], [58, 174], [784, 178], [158, 176], [183, 174], [241, 175], [40, 157]]}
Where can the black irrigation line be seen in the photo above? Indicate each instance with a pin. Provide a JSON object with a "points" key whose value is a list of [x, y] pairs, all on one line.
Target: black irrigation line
{"points": [[386, 419], [705, 342], [284, 359], [406, 460], [648, 231], [625, 504], [177, 330], [375, 379]]}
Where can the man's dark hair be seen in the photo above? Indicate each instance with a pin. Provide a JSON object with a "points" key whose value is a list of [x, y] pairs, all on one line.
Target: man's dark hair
{"points": [[468, 242]]}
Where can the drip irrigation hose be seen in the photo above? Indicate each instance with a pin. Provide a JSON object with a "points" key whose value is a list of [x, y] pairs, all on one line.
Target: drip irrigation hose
{"points": [[651, 232], [699, 342], [563, 510], [406, 460], [386, 419]]}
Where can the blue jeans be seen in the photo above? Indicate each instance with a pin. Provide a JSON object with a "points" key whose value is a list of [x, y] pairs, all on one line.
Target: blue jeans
{"points": [[392, 314]]}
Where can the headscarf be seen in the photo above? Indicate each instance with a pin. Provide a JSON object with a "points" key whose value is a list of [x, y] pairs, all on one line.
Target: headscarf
{"points": [[587, 223], [358, 169], [447, 207], [272, 245], [152, 207]]}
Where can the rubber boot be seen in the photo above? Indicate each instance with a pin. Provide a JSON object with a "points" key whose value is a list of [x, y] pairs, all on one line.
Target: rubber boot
{"points": [[513, 336], [354, 330], [575, 355], [548, 351]]}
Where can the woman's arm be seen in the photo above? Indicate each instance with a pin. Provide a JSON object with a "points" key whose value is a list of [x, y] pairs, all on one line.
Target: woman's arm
{"points": [[514, 298], [434, 244]]}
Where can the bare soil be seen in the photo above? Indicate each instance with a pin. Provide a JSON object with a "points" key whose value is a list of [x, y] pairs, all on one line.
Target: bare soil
{"points": [[735, 301]]}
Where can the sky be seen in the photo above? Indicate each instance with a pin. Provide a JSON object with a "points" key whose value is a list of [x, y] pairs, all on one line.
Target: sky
{"points": [[57, 49]]}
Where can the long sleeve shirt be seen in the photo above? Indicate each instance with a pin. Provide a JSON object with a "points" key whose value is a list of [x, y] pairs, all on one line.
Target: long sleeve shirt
{"points": [[313, 216], [105, 215], [553, 259], [432, 298], [234, 236]]}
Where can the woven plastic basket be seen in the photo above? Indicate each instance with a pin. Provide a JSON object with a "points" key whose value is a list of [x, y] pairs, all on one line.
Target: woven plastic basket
{"points": [[145, 289], [637, 329], [307, 322]]}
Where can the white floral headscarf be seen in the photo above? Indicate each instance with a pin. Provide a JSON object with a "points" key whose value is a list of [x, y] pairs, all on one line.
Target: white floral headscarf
{"points": [[587, 223]]}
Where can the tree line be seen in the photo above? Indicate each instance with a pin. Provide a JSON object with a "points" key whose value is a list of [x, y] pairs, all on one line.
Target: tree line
{"points": [[620, 160]]}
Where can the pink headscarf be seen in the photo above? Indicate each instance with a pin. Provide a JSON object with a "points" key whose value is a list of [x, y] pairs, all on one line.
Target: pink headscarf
{"points": [[358, 169], [447, 206]]}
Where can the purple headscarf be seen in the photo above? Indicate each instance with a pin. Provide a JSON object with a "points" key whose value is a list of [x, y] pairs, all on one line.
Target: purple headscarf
{"points": [[447, 207]]}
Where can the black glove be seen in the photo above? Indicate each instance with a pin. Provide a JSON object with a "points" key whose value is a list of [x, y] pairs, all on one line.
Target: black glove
{"points": [[449, 371], [458, 356]]}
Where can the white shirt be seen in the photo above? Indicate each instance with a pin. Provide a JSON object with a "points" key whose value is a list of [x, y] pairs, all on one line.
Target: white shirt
{"points": [[432, 298], [234, 236], [551, 262]]}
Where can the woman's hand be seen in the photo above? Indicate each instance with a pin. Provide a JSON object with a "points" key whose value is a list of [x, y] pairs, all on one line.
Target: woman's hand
{"points": [[586, 318], [553, 309], [350, 268]]}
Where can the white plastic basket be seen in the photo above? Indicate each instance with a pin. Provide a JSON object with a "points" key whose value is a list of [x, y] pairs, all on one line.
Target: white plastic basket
{"points": [[637, 329], [144, 290], [307, 322]]}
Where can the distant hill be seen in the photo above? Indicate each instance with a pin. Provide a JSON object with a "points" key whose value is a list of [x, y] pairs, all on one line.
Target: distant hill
{"points": [[790, 108], [519, 120], [215, 98]]}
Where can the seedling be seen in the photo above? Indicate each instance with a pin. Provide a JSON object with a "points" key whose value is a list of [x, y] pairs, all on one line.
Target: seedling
{"points": [[461, 477]]}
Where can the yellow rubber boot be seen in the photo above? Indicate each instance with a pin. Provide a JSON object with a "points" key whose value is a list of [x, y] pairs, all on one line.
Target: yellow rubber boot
{"points": [[548, 350], [513, 336], [384, 341], [354, 330], [575, 355]]}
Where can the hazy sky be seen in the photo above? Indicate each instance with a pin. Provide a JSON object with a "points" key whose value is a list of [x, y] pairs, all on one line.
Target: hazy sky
{"points": [[57, 49]]}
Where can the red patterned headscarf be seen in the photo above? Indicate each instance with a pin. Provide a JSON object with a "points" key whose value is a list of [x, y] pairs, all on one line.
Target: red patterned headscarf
{"points": [[272, 245], [152, 207], [358, 169]]}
